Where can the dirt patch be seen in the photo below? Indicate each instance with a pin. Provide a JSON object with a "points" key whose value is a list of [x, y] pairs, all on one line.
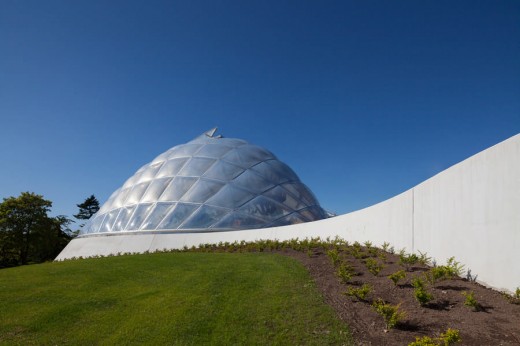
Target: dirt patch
{"points": [[497, 322]]}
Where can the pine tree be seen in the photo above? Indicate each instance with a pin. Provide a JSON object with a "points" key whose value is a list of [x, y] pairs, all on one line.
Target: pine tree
{"points": [[88, 208]]}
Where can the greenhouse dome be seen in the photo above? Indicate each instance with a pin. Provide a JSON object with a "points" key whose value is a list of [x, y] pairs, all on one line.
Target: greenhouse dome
{"points": [[211, 183]]}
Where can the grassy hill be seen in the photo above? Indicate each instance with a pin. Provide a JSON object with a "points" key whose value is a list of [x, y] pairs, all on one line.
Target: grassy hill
{"points": [[170, 298]]}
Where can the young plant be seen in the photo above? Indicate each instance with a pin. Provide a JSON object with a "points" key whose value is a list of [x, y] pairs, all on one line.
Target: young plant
{"points": [[424, 259], [386, 246], [395, 277], [420, 293], [471, 301], [368, 244], [373, 266], [359, 293], [334, 256], [408, 261], [345, 272], [391, 313], [446, 339]]}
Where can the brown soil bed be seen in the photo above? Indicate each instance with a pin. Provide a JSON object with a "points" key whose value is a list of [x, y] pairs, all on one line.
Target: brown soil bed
{"points": [[498, 322]]}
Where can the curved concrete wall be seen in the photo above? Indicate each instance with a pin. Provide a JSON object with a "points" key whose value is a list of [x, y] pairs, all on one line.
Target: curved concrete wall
{"points": [[470, 211]]}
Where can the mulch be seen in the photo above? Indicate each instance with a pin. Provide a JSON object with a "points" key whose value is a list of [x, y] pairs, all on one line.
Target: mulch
{"points": [[497, 322]]}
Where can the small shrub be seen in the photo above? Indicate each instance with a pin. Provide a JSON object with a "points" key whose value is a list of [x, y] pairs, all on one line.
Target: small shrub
{"points": [[386, 246], [360, 293], [471, 301], [345, 272], [391, 313], [420, 293], [373, 266], [334, 256], [424, 259], [408, 260], [395, 277], [448, 338], [368, 244]]}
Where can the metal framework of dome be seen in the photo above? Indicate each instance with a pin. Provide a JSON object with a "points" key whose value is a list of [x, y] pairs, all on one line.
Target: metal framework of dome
{"points": [[211, 183]]}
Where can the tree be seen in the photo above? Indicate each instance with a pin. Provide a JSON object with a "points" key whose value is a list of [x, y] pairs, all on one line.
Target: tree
{"points": [[88, 208], [27, 233]]}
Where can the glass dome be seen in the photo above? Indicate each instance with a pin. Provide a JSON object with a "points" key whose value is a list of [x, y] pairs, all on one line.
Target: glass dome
{"points": [[208, 184]]}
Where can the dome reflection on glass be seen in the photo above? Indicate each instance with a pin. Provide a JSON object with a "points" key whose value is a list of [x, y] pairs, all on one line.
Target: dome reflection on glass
{"points": [[208, 184]]}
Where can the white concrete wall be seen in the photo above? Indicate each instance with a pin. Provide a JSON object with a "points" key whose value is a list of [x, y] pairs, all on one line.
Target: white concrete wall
{"points": [[470, 211]]}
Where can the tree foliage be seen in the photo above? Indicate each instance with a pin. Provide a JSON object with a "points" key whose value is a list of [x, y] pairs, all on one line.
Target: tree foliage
{"points": [[88, 208], [27, 233]]}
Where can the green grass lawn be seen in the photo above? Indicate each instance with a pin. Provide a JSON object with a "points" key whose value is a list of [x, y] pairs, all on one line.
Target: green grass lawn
{"points": [[171, 298]]}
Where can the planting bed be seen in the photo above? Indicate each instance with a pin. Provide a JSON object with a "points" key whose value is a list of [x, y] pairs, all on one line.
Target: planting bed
{"points": [[496, 323]]}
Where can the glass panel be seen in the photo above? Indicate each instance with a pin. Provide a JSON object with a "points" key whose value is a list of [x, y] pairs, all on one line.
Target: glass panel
{"points": [[196, 167], [213, 150], [95, 224], [177, 215], [301, 192], [312, 213], [292, 219], [132, 180], [252, 182], [264, 208], [137, 219], [109, 221], [201, 191], [137, 192], [239, 221], [205, 217], [108, 204], [177, 188], [275, 171], [155, 189], [123, 218], [163, 157], [230, 197], [252, 154], [171, 167], [281, 195], [158, 213], [184, 150], [149, 173], [119, 201], [223, 171]]}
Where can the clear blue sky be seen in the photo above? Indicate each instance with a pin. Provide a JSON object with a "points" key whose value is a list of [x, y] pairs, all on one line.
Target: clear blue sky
{"points": [[362, 99]]}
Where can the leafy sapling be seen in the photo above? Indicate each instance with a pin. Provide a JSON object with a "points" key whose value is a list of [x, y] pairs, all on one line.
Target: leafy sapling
{"points": [[345, 272], [420, 293], [471, 301], [392, 314], [395, 277], [359, 293], [373, 266]]}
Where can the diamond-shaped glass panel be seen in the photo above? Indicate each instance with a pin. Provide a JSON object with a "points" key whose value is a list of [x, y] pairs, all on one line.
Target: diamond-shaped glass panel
{"points": [[275, 171], [224, 171], [155, 189], [196, 167], [264, 208], [177, 188], [137, 192], [138, 217], [213, 150], [121, 198], [291, 219], [201, 191], [156, 215], [149, 173], [204, 217], [281, 195], [177, 215], [301, 192], [239, 221], [253, 182], [171, 167], [122, 218], [230, 197], [109, 221], [184, 150]]}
